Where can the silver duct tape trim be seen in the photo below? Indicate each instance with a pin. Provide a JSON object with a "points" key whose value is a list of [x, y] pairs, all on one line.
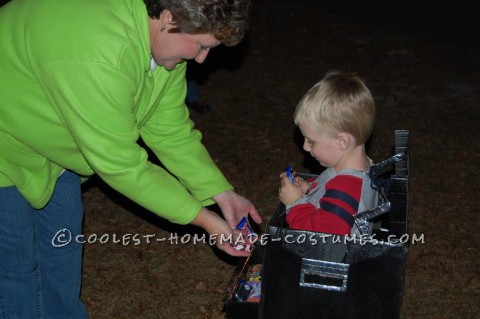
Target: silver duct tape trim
{"points": [[386, 165], [328, 275], [362, 218]]}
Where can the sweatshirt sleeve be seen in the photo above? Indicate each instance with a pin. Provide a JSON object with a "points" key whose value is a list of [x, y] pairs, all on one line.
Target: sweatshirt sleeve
{"points": [[96, 103], [342, 196], [170, 134]]}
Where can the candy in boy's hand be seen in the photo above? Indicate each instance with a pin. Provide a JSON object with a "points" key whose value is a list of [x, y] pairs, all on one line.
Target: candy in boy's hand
{"points": [[290, 173]]}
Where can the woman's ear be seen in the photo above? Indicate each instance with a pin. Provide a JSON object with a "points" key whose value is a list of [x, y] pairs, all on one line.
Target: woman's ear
{"points": [[344, 140], [166, 17]]}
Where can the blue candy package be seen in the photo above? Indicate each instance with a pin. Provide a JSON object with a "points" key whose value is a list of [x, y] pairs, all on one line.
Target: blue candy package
{"points": [[290, 173], [247, 235]]}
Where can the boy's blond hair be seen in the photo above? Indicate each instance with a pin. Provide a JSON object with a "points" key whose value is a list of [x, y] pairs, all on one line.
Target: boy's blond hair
{"points": [[340, 102]]}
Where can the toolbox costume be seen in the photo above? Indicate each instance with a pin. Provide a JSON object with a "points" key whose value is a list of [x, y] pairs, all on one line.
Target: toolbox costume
{"points": [[77, 91], [299, 277]]}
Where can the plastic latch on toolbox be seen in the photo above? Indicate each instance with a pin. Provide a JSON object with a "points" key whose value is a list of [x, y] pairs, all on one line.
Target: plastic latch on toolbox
{"points": [[324, 275]]}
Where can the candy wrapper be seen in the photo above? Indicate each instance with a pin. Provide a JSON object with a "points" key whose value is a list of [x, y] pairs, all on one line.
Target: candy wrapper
{"points": [[255, 291], [255, 273], [290, 173], [247, 238], [250, 290]]}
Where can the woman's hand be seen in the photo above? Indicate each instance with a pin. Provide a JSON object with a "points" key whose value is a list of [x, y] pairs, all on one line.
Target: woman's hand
{"points": [[224, 235], [289, 192], [234, 207]]}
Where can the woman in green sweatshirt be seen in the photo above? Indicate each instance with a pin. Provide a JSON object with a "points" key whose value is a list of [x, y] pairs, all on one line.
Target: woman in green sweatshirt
{"points": [[80, 83]]}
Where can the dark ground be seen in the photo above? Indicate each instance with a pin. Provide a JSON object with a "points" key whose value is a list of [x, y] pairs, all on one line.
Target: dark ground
{"points": [[426, 82]]}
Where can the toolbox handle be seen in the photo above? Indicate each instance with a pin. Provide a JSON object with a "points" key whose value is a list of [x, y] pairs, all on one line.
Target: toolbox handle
{"points": [[325, 275]]}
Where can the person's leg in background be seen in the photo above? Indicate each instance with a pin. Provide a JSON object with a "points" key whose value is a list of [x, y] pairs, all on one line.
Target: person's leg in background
{"points": [[192, 92], [193, 99]]}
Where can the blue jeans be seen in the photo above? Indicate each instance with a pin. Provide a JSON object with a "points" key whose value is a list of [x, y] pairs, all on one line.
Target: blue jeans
{"points": [[38, 277]]}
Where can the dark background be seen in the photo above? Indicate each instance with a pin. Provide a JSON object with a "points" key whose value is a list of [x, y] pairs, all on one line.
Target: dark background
{"points": [[421, 63]]}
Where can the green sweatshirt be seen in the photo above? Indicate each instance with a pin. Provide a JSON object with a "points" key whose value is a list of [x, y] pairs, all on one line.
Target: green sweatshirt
{"points": [[77, 92]]}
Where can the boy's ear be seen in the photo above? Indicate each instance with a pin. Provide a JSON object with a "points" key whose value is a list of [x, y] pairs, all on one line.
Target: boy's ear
{"points": [[344, 140]]}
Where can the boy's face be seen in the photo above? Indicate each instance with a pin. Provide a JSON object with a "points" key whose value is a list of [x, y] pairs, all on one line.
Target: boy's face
{"points": [[322, 147]]}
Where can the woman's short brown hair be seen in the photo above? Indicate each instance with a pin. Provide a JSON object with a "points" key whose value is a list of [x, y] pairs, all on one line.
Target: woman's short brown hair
{"points": [[226, 20]]}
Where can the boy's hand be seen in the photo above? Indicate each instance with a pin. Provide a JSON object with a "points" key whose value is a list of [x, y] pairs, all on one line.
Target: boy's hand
{"points": [[303, 184], [288, 192]]}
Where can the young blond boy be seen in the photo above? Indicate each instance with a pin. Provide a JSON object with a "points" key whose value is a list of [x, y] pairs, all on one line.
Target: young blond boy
{"points": [[336, 118]]}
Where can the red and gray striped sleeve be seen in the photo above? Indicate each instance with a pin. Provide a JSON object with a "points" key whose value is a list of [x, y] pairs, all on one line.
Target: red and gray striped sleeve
{"points": [[337, 207]]}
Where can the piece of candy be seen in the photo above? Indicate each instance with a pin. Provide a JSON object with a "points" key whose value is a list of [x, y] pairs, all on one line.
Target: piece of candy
{"points": [[290, 173], [247, 234]]}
